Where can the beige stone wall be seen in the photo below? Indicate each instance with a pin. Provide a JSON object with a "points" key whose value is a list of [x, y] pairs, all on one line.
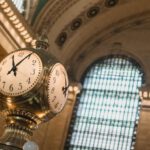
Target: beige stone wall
{"points": [[52, 135], [143, 133]]}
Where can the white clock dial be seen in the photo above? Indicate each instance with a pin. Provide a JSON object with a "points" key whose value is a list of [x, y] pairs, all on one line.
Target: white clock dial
{"points": [[57, 88], [19, 72]]}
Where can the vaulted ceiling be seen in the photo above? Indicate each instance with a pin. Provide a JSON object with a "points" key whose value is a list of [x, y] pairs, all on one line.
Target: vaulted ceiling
{"points": [[82, 31]]}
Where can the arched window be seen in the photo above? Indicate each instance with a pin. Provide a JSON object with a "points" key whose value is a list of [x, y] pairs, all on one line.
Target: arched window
{"points": [[106, 113]]}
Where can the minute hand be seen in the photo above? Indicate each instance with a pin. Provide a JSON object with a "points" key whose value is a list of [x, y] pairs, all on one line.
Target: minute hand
{"points": [[23, 59]]}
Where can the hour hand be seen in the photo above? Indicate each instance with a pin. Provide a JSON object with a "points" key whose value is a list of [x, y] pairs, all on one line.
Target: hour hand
{"points": [[14, 68], [64, 90], [13, 62]]}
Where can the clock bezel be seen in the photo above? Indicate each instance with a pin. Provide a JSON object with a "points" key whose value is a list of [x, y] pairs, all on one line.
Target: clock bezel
{"points": [[35, 87], [49, 76]]}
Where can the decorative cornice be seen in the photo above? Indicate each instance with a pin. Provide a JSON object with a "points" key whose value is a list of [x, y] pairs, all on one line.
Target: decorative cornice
{"points": [[60, 7], [111, 30], [83, 18], [16, 24], [91, 44], [54, 9], [74, 89], [96, 9], [145, 96]]}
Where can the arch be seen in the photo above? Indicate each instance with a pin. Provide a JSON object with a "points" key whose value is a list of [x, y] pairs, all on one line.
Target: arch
{"points": [[124, 55], [107, 111], [94, 57]]}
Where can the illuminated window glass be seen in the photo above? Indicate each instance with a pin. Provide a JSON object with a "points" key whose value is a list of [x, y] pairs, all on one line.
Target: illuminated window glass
{"points": [[106, 113], [19, 4]]}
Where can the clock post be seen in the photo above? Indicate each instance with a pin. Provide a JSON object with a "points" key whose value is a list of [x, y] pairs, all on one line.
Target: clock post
{"points": [[33, 89]]}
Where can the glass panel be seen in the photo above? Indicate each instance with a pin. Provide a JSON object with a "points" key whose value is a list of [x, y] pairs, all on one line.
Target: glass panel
{"points": [[19, 5], [107, 111]]}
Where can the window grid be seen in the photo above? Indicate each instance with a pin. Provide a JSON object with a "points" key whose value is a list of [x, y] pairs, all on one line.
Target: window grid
{"points": [[107, 111]]}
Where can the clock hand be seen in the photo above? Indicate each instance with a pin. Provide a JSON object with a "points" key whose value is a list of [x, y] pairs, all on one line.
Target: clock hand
{"points": [[23, 59], [14, 69], [65, 88], [13, 62]]}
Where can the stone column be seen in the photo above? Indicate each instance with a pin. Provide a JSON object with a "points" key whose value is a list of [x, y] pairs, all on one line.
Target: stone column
{"points": [[143, 132]]}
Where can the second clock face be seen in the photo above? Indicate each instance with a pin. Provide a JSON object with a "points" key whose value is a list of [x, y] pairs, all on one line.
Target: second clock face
{"points": [[19, 72], [57, 87]]}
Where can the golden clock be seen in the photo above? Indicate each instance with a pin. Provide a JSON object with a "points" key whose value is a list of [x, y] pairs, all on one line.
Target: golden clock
{"points": [[57, 87], [20, 71]]}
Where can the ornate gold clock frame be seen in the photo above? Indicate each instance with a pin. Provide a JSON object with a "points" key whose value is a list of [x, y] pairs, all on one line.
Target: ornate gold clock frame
{"points": [[25, 112]]}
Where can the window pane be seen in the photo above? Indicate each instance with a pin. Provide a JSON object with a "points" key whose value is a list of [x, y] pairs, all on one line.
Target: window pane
{"points": [[107, 110], [19, 5]]}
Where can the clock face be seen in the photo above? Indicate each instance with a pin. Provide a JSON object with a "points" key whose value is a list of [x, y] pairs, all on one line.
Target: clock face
{"points": [[19, 72], [58, 88]]}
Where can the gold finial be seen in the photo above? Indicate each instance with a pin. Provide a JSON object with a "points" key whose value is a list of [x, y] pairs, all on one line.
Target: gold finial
{"points": [[42, 42]]}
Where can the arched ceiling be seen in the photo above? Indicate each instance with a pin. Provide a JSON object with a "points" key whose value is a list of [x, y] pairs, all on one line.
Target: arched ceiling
{"points": [[85, 30]]}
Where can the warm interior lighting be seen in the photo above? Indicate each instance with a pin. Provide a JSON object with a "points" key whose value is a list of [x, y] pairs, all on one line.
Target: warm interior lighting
{"points": [[26, 36], [24, 32], [8, 9], [146, 103], [12, 121], [16, 21], [13, 17], [9, 100], [18, 25], [11, 31], [73, 90], [2, 1], [28, 40], [10, 13], [76, 89], [21, 29], [10, 103], [145, 94], [4, 5], [33, 42], [71, 96], [70, 89], [41, 115]]}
